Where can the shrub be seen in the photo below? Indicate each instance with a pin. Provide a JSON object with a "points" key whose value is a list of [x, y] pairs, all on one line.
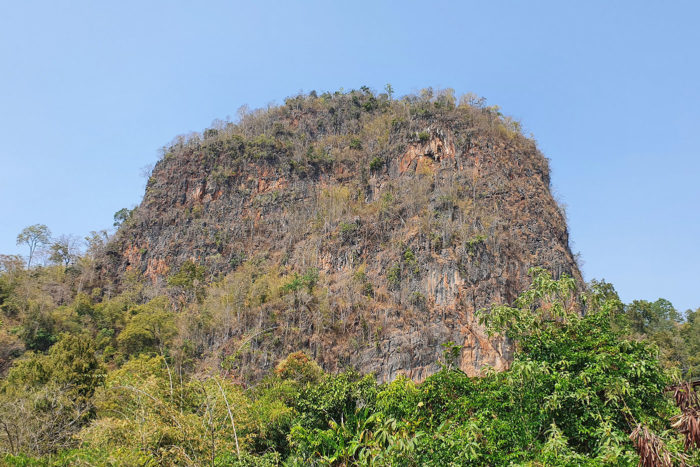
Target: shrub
{"points": [[376, 164], [347, 231], [309, 280], [393, 276], [409, 259], [299, 367]]}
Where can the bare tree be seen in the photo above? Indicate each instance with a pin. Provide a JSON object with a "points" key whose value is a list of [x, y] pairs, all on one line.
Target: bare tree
{"points": [[64, 250]]}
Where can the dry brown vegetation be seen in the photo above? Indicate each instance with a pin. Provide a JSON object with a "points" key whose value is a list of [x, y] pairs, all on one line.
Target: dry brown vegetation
{"points": [[410, 214]]}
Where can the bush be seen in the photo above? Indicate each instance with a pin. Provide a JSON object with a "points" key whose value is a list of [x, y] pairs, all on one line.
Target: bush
{"points": [[347, 231], [376, 164], [299, 367], [335, 398], [393, 276]]}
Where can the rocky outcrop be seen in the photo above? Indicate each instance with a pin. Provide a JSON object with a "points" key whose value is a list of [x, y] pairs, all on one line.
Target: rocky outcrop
{"points": [[412, 219]]}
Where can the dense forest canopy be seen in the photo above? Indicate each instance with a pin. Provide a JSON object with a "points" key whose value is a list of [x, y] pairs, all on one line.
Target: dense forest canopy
{"points": [[104, 364]]}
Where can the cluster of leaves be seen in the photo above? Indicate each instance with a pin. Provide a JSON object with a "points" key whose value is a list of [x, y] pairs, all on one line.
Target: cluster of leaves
{"points": [[308, 280], [579, 392]]}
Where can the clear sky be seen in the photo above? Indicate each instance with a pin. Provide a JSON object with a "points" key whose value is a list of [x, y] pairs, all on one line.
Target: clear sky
{"points": [[89, 90]]}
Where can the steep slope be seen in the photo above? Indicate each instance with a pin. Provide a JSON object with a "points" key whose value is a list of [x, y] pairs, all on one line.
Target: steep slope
{"points": [[364, 230]]}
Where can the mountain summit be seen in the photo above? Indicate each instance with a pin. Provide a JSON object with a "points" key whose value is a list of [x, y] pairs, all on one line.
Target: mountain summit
{"points": [[362, 229]]}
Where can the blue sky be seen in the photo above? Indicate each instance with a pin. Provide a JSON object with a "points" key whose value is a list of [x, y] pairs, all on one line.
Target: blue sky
{"points": [[611, 90]]}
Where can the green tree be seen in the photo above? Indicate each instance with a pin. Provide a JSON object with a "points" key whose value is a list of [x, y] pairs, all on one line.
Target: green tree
{"points": [[660, 323], [34, 236], [574, 371], [46, 399], [189, 280], [389, 90], [690, 331], [121, 216], [300, 368], [150, 328], [649, 317]]}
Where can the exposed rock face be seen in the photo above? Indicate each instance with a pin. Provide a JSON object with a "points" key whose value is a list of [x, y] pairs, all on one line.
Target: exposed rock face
{"points": [[413, 219]]}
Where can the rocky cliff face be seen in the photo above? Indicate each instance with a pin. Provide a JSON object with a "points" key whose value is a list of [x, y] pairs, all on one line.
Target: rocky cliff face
{"points": [[364, 230]]}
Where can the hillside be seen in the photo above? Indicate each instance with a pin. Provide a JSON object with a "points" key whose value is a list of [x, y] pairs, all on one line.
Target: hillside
{"points": [[328, 282], [363, 229]]}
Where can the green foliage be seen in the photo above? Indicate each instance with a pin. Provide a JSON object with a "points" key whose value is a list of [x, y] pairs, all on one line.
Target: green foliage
{"points": [[347, 231], [389, 90], [451, 354], [546, 304], [360, 277], [362, 439], [410, 262], [575, 373], [189, 280], [300, 368], [690, 332], [187, 276], [473, 243], [63, 251], [319, 157], [570, 398], [376, 164], [46, 399], [37, 332], [393, 276], [33, 236], [647, 317], [406, 268], [122, 216], [193, 421], [308, 280], [117, 381], [150, 328], [334, 398], [71, 363], [677, 337], [399, 399]]}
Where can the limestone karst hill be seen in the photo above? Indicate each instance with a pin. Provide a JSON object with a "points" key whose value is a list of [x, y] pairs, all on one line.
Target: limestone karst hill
{"points": [[362, 229]]}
